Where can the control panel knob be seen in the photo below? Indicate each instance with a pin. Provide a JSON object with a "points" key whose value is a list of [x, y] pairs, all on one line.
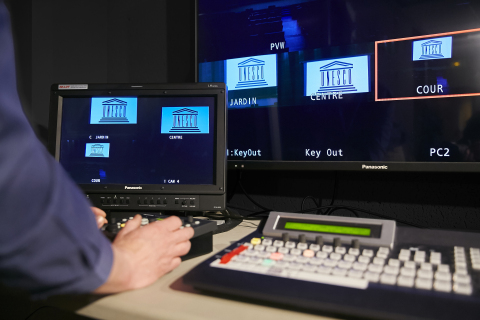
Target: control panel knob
{"points": [[336, 242], [302, 238], [319, 240], [285, 236], [190, 219], [184, 202], [355, 244]]}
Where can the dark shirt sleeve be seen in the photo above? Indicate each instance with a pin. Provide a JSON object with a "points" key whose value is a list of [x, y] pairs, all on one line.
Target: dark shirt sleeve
{"points": [[49, 241]]}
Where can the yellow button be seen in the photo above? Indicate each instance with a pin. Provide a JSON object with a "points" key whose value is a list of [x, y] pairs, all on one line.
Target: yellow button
{"points": [[122, 225], [256, 241]]}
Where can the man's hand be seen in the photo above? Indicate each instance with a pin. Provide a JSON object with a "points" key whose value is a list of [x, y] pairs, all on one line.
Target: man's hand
{"points": [[100, 216], [142, 255]]}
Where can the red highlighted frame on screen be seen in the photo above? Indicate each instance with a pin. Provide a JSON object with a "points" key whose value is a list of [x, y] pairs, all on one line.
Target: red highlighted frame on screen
{"points": [[421, 95]]}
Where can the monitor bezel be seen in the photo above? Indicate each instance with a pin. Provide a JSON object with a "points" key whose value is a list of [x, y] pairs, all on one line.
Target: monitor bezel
{"points": [[216, 90], [354, 166]]}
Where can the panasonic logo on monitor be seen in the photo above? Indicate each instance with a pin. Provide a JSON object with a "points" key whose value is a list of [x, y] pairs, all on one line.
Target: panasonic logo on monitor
{"points": [[130, 188], [365, 167]]}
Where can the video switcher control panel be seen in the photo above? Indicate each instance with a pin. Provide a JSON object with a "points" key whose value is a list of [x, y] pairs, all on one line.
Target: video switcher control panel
{"points": [[201, 242], [146, 202], [362, 267]]}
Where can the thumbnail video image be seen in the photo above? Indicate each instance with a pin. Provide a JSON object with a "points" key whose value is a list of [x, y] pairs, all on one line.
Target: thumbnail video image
{"points": [[428, 66], [97, 150], [185, 120], [113, 110], [438, 48], [251, 72], [346, 75]]}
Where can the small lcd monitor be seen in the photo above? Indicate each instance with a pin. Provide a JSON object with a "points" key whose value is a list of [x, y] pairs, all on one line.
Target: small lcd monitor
{"points": [[155, 147]]}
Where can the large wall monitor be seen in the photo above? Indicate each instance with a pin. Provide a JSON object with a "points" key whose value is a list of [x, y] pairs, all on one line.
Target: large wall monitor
{"points": [[143, 147], [344, 84]]}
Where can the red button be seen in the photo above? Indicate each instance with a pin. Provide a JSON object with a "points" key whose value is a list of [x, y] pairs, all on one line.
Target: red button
{"points": [[228, 256], [276, 256]]}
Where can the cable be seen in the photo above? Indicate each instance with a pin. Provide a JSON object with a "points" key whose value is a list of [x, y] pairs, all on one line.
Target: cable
{"points": [[256, 215], [248, 216], [232, 192], [232, 219], [335, 187], [250, 198], [239, 208], [313, 199], [348, 209], [248, 224], [330, 208], [318, 205]]}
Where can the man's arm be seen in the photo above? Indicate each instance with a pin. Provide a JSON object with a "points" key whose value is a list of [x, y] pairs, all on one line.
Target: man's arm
{"points": [[144, 254], [49, 241]]}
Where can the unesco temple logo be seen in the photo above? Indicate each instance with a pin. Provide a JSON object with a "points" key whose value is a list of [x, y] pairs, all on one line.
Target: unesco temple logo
{"points": [[438, 48], [185, 120], [251, 72], [336, 76], [432, 50], [113, 110], [97, 150], [342, 75]]}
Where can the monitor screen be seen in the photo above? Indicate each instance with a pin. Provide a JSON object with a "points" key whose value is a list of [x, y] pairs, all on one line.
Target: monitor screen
{"points": [[141, 140], [138, 140], [346, 85]]}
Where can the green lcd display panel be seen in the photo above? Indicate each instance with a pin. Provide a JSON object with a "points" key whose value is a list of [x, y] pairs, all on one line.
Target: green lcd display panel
{"points": [[313, 227]]}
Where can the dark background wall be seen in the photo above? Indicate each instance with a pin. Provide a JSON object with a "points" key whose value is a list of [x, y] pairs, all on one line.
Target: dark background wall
{"points": [[153, 41]]}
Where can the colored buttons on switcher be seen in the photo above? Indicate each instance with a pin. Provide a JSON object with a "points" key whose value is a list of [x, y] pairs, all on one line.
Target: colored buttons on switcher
{"points": [[309, 253], [276, 256], [227, 257], [255, 241]]}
